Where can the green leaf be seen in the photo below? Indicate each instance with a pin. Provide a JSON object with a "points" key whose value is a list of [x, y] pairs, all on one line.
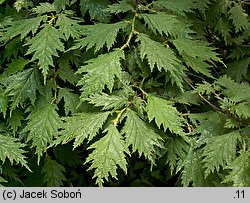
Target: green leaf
{"points": [[238, 52], [236, 92], [231, 123], [238, 68], [179, 7], [101, 71], [99, 35], [3, 102], [196, 48], [44, 46], [205, 88], [15, 119], [53, 173], [164, 114], [109, 152], [96, 9], [19, 4], [81, 126], [141, 136], [108, 101], [161, 56], [43, 125], [239, 17], [11, 148], [240, 174], [2, 180], [16, 65], [11, 173], [197, 64], [120, 7], [193, 171], [208, 124], [44, 8], [12, 49], [220, 151], [242, 109], [195, 53], [188, 98], [69, 27], [61, 4], [2, 1], [166, 24], [176, 151], [223, 27], [70, 99], [66, 72], [23, 28], [22, 86]]}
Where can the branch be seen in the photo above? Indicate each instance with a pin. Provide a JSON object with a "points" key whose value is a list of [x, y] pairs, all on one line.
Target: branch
{"points": [[131, 33], [205, 100]]}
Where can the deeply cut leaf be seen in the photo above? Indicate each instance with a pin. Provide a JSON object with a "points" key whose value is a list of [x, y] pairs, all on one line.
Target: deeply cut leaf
{"points": [[53, 173], [23, 86], [93, 32], [44, 46], [167, 24], [11, 149], [109, 152], [101, 71], [161, 57], [220, 151], [42, 127], [164, 114], [81, 126], [141, 136]]}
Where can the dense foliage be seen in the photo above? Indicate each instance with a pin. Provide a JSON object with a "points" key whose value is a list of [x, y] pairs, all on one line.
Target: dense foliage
{"points": [[124, 93]]}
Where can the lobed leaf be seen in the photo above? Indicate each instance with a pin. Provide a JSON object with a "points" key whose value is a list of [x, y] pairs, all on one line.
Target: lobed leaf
{"points": [[239, 17], [176, 151], [167, 24], [44, 46], [193, 171], [96, 9], [162, 57], [108, 101], [240, 171], [101, 72], [16, 65], [14, 121], [122, 6], [44, 8], [236, 92], [70, 99], [11, 149], [22, 28], [141, 136], [81, 126], [177, 6], [22, 86], [53, 173], [220, 151], [164, 114], [42, 127], [108, 33], [109, 152], [68, 27]]}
